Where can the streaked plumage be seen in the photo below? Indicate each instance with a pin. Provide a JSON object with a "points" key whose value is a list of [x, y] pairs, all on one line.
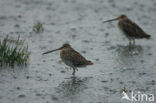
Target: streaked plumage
{"points": [[71, 57], [130, 29]]}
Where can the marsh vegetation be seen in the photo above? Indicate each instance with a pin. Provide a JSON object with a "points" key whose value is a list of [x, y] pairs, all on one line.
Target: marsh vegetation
{"points": [[13, 52]]}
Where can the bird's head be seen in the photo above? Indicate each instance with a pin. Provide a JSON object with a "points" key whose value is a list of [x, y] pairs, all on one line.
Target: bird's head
{"points": [[64, 46], [121, 17]]}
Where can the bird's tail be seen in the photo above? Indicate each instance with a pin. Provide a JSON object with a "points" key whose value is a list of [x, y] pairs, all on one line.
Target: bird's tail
{"points": [[147, 36], [90, 63]]}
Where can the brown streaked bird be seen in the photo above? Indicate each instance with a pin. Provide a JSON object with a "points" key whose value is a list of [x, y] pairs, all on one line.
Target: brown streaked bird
{"points": [[130, 28], [71, 57]]}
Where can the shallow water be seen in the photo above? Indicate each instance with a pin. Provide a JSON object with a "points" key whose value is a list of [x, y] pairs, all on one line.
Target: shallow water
{"points": [[79, 22]]}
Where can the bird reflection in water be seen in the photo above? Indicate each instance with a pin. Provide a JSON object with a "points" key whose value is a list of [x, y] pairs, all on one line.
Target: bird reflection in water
{"points": [[129, 50], [71, 89], [129, 57]]}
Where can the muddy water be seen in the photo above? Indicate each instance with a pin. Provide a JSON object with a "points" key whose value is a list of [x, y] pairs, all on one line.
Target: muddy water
{"points": [[78, 22]]}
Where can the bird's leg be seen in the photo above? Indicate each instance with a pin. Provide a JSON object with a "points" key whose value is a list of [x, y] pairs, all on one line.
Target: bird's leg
{"points": [[73, 71], [129, 42], [133, 41]]}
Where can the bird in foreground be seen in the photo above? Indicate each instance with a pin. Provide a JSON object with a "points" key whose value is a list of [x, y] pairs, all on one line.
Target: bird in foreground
{"points": [[71, 57], [130, 29]]}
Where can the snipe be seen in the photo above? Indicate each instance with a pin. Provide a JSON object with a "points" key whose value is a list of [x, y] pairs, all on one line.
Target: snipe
{"points": [[71, 57], [130, 28]]}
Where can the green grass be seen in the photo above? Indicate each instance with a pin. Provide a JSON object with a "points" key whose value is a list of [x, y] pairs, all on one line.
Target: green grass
{"points": [[13, 53], [38, 27]]}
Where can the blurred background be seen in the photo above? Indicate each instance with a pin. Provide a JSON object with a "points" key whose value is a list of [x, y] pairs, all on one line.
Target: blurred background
{"points": [[47, 24]]}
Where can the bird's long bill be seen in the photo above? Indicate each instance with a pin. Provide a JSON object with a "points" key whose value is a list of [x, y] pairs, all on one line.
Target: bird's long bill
{"points": [[110, 20], [52, 50]]}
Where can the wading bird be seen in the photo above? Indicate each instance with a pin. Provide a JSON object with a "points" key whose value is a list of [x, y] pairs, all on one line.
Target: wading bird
{"points": [[130, 29], [71, 57]]}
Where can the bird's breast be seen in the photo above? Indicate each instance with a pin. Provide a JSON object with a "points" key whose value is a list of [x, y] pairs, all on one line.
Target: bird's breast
{"points": [[63, 54], [66, 57], [120, 25]]}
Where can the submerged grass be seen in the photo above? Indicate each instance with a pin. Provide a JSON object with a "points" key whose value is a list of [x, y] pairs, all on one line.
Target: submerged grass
{"points": [[13, 53], [38, 27]]}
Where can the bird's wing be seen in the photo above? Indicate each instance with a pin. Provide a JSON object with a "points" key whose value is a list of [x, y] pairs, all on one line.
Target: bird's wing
{"points": [[76, 58], [131, 29]]}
